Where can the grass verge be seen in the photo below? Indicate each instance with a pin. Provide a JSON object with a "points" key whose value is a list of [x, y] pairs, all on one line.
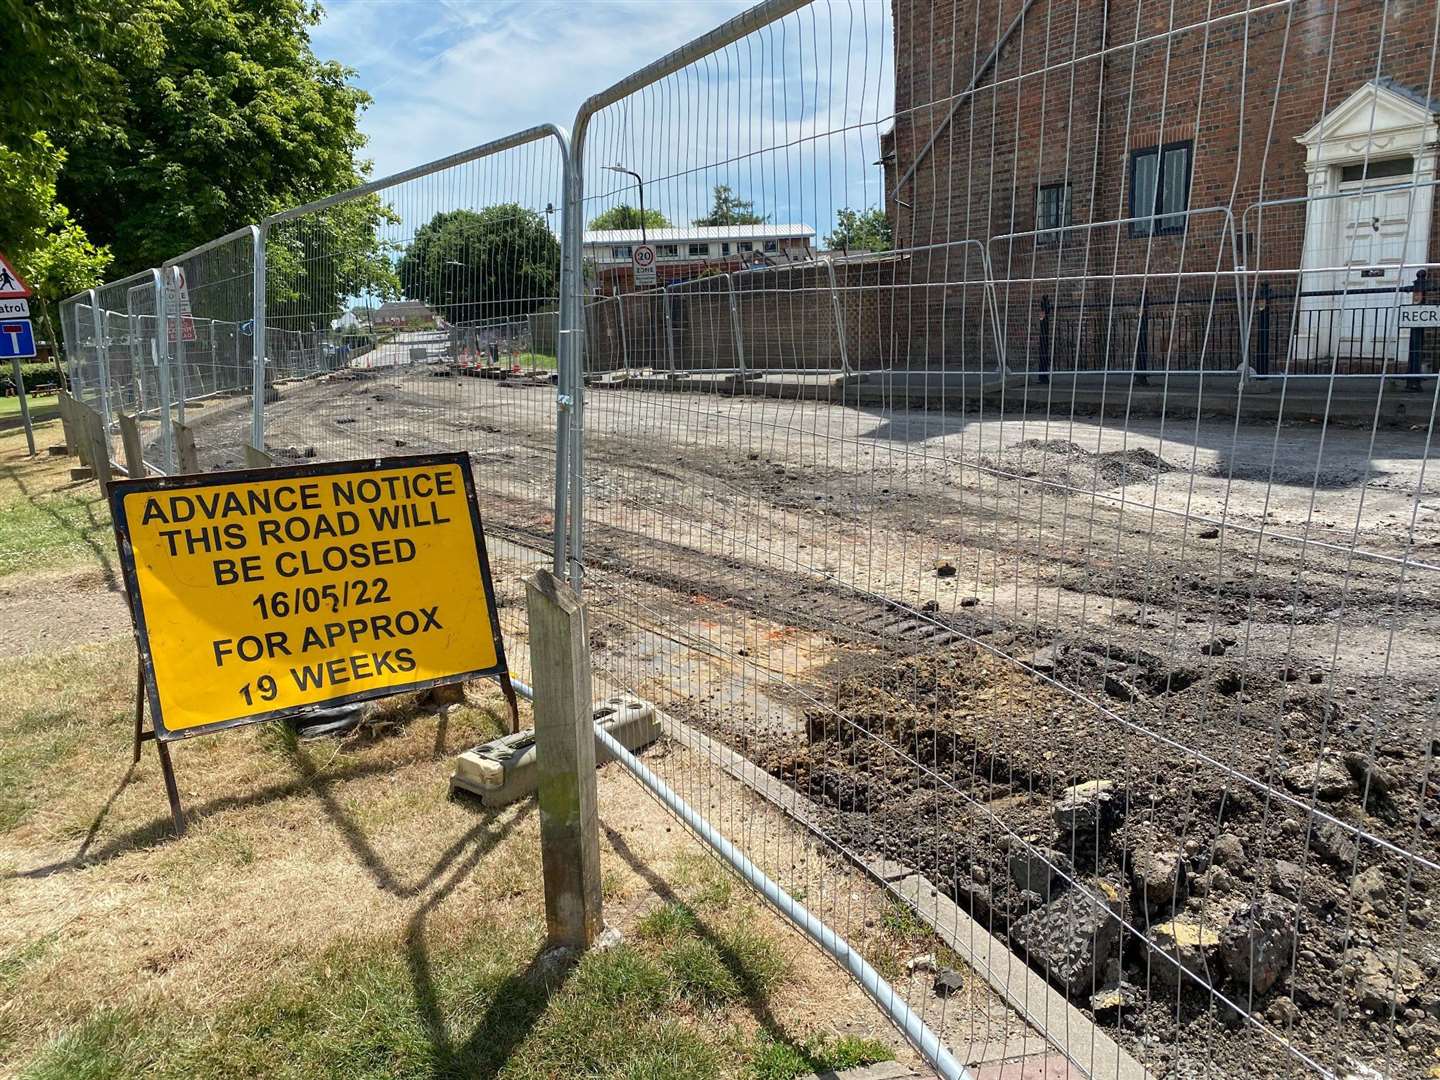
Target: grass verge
{"points": [[331, 911]]}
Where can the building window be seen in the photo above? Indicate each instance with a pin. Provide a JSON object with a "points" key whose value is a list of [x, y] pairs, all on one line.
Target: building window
{"points": [[620, 252], [700, 249], [745, 245], [1160, 186], [725, 248], [772, 245], [1052, 209], [667, 251], [1378, 170]]}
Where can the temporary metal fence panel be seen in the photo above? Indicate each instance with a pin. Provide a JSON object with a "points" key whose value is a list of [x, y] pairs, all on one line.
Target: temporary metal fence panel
{"points": [[143, 341], [80, 329], [1086, 588], [210, 304], [395, 321]]}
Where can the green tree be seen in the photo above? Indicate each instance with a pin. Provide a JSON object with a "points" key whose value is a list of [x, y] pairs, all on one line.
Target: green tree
{"points": [[627, 217], [51, 252], [860, 230], [499, 262], [730, 209], [179, 120], [306, 293]]}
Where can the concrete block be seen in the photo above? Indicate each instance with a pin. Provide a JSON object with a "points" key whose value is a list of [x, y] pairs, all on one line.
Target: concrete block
{"points": [[503, 770], [81, 472]]}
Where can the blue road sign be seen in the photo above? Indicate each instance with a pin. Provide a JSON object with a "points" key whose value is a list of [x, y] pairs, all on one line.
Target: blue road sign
{"points": [[17, 339]]}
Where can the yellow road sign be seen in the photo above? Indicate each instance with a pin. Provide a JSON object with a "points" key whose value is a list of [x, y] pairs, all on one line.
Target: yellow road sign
{"points": [[265, 592]]}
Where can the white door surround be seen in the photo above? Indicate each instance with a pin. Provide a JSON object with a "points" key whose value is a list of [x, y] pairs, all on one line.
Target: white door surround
{"points": [[1365, 232]]}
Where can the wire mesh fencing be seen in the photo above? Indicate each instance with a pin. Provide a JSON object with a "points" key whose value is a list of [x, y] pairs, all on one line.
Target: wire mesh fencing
{"points": [[1066, 560], [210, 307], [397, 322]]}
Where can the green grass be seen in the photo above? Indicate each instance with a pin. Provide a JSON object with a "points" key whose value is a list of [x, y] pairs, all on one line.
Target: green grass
{"points": [[370, 1008], [29, 750], [776, 1059], [43, 529], [361, 1012], [41, 408], [535, 360]]}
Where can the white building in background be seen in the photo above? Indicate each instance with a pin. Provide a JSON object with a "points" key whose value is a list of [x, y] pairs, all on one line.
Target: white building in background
{"points": [[682, 253]]}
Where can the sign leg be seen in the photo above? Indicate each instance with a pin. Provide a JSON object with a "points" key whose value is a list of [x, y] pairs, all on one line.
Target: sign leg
{"points": [[171, 791], [139, 708], [167, 770]]}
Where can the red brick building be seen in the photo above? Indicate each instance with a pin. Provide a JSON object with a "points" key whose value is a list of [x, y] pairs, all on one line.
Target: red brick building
{"points": [[1209, 138]]}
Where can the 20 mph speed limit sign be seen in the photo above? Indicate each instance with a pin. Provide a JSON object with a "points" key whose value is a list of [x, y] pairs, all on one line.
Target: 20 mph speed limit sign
{"points": [[266, 592], [642, 259]]}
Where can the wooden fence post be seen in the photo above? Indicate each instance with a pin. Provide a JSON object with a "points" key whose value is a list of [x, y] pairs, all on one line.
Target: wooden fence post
{"points": [[67, 423], [134, 447], [565, 761], [96, 441], [186, 459]]}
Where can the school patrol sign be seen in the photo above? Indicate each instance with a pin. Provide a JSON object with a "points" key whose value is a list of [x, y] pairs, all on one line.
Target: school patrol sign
{"points": [[267, 592]]}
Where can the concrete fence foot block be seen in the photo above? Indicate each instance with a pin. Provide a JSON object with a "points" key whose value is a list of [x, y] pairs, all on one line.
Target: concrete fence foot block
{"points": [[503, 770]]}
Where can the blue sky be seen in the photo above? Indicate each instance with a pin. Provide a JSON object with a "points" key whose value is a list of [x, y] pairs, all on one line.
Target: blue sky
{"points": [[790, 121]]}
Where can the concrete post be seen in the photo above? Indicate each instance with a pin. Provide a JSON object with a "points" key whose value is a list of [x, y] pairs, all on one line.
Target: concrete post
{"points": [[565, 761]]}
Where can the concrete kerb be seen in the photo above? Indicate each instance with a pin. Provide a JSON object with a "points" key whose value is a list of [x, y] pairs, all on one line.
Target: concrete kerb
{"points": [[1351, 399]]}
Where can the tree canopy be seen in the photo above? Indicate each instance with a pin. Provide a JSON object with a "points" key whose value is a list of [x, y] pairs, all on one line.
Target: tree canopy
{"points": [[623, 216], [729, 209], [160, 124], [502, 261], [306, 292], [860, 230]]}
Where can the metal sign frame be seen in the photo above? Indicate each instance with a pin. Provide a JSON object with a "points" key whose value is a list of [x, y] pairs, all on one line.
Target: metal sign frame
{"points": [[118, 491]]}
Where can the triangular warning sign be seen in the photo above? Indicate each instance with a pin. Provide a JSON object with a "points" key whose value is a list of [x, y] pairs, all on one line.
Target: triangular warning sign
{"points": [[12, 286]]}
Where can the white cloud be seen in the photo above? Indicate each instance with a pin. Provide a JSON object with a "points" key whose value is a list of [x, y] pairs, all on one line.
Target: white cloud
{"points": [[450, 74]]}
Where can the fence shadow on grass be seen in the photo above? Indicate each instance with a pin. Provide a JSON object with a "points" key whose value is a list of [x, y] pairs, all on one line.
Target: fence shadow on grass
{"points": [[94, 524], [754, 996], [160, 829]]}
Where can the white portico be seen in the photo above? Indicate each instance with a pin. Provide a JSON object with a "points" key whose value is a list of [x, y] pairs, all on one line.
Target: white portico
{"points": [[1371, 172]]}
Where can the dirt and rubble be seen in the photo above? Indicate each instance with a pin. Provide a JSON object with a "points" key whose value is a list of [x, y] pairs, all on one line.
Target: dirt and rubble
{"points": [[1164, 720], [1114, 860]]}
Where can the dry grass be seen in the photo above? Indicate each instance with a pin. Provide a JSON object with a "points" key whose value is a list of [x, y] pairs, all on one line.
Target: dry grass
{"points": [[332, 911]]}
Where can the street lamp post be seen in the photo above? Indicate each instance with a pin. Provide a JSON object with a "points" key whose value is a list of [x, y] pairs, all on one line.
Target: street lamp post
{"points": [[639, 183]]}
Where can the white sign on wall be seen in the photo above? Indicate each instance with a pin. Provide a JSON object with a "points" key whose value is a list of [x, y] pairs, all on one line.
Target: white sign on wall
{"points": [[1420, 317]]}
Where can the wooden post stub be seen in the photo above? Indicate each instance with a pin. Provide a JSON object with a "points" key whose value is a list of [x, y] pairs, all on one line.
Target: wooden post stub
{"points": [[565, 761], [97, 446], [134, 447], [186, 460]]}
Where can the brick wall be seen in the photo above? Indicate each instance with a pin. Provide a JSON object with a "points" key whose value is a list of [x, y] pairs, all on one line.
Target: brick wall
{"points": [[1076, 88], [788, 318]]}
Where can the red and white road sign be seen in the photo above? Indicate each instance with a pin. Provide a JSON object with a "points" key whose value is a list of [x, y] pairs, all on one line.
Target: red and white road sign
{"points": [[642, 261], [12, 286], [177, 297]]}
